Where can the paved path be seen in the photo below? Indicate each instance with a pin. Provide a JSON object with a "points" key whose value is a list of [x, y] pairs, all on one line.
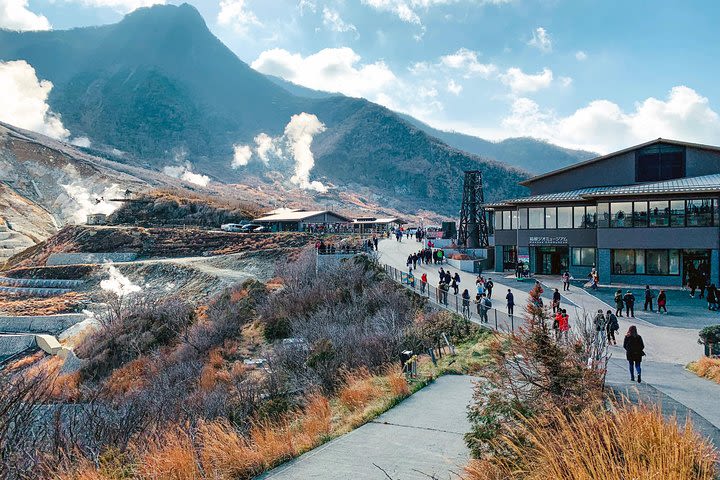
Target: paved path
{"points": [[421, 437], [668, 349]]}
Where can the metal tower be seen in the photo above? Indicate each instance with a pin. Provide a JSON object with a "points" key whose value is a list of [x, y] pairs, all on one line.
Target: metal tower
{"points": [[473, 231]]}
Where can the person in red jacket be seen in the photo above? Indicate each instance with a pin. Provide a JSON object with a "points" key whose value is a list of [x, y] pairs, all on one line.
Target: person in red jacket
{"points": [[564, 324], [423, 282]]}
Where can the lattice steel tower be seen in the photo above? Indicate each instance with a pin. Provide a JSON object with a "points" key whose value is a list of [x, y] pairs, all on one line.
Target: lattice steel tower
{"points": [[473, 231]]}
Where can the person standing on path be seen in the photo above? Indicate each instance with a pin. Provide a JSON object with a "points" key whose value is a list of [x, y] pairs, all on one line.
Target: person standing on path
{"points": [[443, 288], [619, 304], [423, 282], [566, 281], [483, 308], [662, 302], [454, 286], [612, 327], [600, 328], [510, 302], [466, 303], [634, 351], [556, 301], [712, 297], [375, 241], [649, 295], [564, 325], [457, 278], [489, 287], [629, 300], [441, 272]]}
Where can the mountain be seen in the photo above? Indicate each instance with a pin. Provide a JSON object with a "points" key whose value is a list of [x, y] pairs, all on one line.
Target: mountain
{"points": [[159, 86]]}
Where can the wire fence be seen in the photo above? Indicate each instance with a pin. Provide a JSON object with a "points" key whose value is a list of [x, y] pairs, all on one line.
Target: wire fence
{"points": [[489, 318]]}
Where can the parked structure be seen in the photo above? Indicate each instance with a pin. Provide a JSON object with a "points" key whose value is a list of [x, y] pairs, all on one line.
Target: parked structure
{"points": [[306, 221], [365, 225], [648, 214]]}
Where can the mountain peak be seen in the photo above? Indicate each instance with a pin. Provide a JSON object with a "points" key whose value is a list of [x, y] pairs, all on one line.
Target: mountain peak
{"points": [[183, 14]]}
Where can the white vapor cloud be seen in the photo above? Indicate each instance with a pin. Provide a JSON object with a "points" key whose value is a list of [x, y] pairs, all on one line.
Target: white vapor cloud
{"points": [[81, 142], [236, 14], [407, 10], [467, 61], [541, 40], [241, 155], [333, 21], [521, 82], [87, 201], [300, 132], [23, 100], [122, 6], [454, 87], [184, 172], [580, 56], [118, 283], [267, 146], [15, 15], [603, 126]]}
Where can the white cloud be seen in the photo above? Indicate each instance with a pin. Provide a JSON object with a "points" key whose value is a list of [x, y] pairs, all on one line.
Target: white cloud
{"points": [[299, 133], [541, 40], [521, 82], [184, 172], [565, 81], [23, 100], [330, 69], [333, 21], [14, 15], [603, 126], [122, 6], [467, 61], [81, 142], [407, 10], [306, 5], [454, 87], [580, 56], [235, 13], [241, 155]]}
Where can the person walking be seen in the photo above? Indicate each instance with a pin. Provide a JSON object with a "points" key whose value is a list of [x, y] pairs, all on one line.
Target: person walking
{"points": [[600, 323], [456, 277], [454, 286], [634, 351], [414, 259], [662, 302], [612, 327], [444, 288], [423, 282], [466, 303], [566, 281], [629, 300], [510, 302], [375, 241], [564, 326], [489, 285], [441, 272], [619, 303], [712, 297], [556, 325], [484, 306], [556, 301], [649, 295]]}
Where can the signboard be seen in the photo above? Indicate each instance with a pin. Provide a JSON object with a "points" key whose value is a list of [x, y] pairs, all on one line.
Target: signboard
{"points": [[523, 258], [548, 241]]}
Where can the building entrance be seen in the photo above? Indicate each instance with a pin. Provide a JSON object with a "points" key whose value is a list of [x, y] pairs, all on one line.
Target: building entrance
{"points": [[695, 263], [551, 260]]}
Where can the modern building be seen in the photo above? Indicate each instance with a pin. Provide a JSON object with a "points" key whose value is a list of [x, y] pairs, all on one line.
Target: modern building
{"points": [[288, 220], [643, 215], [364, 225]]}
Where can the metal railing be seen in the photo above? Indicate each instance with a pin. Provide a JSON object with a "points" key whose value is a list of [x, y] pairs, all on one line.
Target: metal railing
{"points": [[494, 319]]}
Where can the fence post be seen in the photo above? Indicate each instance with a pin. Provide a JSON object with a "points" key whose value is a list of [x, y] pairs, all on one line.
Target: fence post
{"points": [[512, 323], [457, 310], [496, 322]]}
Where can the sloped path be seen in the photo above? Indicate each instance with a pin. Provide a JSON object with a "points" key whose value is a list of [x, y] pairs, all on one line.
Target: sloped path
{"points": [[420, 438]]}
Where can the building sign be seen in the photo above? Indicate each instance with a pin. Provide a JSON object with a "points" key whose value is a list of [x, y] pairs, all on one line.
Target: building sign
{"points": [[548, 241]]}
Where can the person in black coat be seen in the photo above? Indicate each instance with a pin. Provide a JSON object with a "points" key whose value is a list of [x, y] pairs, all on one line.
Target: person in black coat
{"points": [[634, 351]]}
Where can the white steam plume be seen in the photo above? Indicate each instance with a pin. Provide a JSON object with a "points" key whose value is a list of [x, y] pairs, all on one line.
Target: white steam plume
{"points": [[86, 202], [23, 100], [265, 146], [118, 283], [81, 142], [241, 155], [299, 133], [184, 172]]}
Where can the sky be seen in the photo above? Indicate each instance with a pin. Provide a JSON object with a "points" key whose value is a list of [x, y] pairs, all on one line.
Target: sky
{"points": [[590, 74]]}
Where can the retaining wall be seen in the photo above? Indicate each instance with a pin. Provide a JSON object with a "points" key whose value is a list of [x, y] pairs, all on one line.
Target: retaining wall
{"points": [[53, 324], [40, 283], [88, 258]]}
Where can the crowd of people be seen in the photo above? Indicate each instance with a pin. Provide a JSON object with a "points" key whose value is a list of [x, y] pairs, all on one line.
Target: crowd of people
{"points": [[347, 246], [427, 256]]}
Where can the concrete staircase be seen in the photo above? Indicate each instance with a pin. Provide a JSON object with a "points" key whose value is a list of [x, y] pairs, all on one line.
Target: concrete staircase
{"points": [[37, 287]]}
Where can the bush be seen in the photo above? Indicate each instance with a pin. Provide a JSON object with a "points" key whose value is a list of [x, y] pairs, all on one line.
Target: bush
{"points": [[710, 335]]}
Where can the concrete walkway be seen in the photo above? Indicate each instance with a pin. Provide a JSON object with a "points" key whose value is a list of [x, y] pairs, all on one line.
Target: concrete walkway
{"points": [[420, 438], [668, 349]]}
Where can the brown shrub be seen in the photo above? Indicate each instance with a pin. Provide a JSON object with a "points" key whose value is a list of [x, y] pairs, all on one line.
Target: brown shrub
{"points": [[359, 389], [171, 456], [707, 367], [397, 382]]}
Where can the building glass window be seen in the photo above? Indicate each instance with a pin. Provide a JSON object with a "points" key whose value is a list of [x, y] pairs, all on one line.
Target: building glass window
{"points": [[564, 217], [498, 220], [659, 214], [536, 218], [583, 257], [699, 213], [640, 261], [579, 217], [623, 262], [674, 268], [640, 214], [590, 216], [514, 218], [507, 225], [659, 162], [621, 214], [657, 262], [550, 217], [509, 257], [603, 215], [677, 213], [523, 218]]}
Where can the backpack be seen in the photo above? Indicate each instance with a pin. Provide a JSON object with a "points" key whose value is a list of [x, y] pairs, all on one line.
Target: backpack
{"points": [[488, 303]]}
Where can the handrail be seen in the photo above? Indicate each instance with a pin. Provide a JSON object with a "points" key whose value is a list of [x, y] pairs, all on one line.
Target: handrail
{"points": [[496, 320]]}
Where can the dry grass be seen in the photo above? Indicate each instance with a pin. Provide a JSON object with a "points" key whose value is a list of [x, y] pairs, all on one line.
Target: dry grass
{"points": [[170, 457], [707, 368], [397, 382], [359, 389], [630, 443]]}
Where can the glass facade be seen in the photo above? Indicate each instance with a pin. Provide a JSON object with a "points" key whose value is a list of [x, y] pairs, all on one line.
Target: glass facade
{"points": [[536, 218], [550, 217], [564, 217], [603, 215], [523, 214], [621, 214], [583, 257], [645, 262], [507, 223], [640, 214], [659, 162], [659, 214]]}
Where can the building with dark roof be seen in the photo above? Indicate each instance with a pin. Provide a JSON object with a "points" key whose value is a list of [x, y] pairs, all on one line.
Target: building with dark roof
{"points": [[648, 214]]}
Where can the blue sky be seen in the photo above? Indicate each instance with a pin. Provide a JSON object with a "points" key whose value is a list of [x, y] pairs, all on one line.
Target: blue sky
{"points": [[582, 73]]}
